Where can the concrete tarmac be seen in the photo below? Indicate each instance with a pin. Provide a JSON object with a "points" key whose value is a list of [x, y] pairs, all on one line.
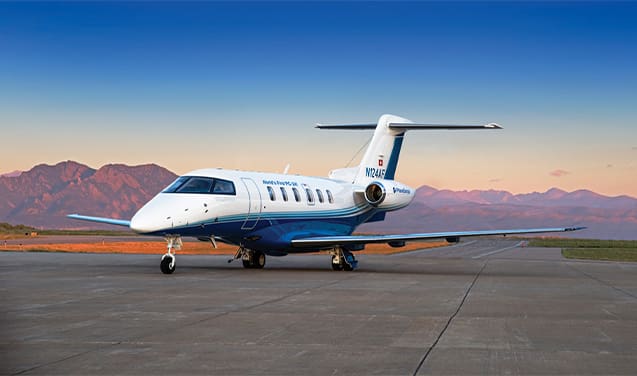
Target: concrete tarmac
{"points": [[484, 306]]}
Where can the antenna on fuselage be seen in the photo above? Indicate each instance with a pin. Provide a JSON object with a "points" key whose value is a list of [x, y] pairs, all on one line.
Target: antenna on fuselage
{"points": [[359, 151], [286, 169]]}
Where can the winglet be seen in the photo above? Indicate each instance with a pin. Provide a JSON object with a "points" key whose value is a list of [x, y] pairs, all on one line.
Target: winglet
{"points": [[574, 228]]}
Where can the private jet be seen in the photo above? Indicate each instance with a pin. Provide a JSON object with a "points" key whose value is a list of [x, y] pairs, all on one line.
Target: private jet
{"points": [[278, 214]]}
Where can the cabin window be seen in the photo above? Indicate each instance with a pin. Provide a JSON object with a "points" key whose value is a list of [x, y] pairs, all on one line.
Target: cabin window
{"points": [[271, 192], [284, 194], [201, 184], [297, 195], [330, 198], [310, 195], [319, 194]]}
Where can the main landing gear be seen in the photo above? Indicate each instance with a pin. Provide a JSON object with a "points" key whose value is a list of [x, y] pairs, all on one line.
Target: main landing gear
{"points": [[167, 265], [251, 259], [342, 259]]}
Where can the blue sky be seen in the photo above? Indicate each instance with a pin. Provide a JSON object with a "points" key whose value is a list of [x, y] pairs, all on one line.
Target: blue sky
{"points": [[239, 85]]}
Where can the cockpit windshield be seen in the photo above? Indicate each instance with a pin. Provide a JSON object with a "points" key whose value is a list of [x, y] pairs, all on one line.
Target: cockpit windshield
{"points": [[200, 184]]}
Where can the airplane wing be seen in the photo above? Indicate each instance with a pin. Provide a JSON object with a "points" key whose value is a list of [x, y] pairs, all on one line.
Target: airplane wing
{"points": [[324, 241], [110, 221]]}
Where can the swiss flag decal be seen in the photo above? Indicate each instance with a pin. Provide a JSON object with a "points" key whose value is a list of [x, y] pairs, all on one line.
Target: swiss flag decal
{"points": [[380, 162]]}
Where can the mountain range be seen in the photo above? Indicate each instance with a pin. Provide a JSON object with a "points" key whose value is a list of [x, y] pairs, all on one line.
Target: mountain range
{"points": [[42, 196]]}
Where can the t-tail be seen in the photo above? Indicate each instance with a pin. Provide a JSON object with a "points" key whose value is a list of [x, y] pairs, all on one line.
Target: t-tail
{"points": [[381, 157]]}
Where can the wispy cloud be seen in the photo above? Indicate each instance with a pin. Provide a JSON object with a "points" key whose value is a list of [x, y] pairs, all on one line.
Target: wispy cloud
{"points": [[609, 165], [559, 173], [634, 147], [496, 180]]}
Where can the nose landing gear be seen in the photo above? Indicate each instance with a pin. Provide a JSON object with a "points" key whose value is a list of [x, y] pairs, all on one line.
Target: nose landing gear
{"points": [[167, 265]]}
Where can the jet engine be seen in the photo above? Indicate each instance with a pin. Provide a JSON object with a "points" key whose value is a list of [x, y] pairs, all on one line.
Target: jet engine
{"points": [[388, 194]]}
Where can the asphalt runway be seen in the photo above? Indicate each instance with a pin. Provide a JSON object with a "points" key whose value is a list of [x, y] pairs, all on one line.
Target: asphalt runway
{"points": [[484, 306]]}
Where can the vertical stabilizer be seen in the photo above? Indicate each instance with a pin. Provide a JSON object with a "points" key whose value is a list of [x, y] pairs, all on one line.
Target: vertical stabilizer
{"points": [[381, 157]]}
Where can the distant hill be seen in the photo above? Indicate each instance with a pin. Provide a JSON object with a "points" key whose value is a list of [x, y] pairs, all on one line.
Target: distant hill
{"points": [[42, 196], [12, 174]]}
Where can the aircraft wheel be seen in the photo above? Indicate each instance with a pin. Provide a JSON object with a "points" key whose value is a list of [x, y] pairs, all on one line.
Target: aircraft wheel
{"points": [[165, 265], [336, 266], [259, 260], [247, 264], [347, 267]]}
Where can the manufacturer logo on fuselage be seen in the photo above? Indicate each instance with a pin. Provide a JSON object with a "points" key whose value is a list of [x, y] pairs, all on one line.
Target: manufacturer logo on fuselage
{"points": [[402, 190]]}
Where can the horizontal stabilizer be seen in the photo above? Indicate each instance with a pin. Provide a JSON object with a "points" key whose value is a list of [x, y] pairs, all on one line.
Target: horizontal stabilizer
{"points": [[346, 126], [327, 241], [410, 126], [110, 221]]}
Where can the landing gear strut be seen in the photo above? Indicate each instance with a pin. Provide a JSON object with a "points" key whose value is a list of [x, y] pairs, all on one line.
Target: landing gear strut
{"points": [[251, 259], [343, 259], [167, 265]]}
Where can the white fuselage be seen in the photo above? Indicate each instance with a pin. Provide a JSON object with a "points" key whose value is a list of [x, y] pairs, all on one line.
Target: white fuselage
{"points": [[264, 210]]}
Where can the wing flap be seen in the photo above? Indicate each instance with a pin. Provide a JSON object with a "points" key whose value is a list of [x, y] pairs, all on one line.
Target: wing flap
{"points": [[110, 221], [324, 241]]}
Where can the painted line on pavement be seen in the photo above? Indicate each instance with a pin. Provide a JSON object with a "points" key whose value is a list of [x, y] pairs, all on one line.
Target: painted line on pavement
{"points": [[498, 250]]}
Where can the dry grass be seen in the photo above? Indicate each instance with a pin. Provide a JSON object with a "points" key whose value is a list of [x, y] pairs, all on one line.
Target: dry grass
{"points": [[189, 248]]}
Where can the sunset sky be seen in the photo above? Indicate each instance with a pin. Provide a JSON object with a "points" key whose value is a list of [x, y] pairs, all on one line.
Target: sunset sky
{"points": [[240, 85]]}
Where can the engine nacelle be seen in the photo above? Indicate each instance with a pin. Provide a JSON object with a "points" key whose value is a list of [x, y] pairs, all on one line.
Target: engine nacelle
{"points": [[388, 194]]}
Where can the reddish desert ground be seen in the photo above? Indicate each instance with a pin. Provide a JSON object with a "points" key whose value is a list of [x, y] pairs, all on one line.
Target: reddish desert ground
{"points": [[99, 244]]}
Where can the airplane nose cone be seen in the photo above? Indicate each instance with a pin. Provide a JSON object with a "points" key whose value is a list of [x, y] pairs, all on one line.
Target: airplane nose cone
{"points": [[152, 217], [140, 224]]}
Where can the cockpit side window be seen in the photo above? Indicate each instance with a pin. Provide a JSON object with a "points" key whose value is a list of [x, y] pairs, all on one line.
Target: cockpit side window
{"points": [[176, 184], [223, 187], [196, 185], [200, 184]]}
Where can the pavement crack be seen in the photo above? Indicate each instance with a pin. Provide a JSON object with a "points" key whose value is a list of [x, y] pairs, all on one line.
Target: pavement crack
{"points": [[453, 316], [602, 282], [65, 358]]}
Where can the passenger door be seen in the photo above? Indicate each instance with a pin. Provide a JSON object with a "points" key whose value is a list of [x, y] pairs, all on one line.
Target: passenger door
{"points": [[254, 204]]}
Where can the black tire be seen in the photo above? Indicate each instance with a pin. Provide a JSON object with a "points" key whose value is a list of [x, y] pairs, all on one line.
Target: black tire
{"points": [[165, 266], [247, 264], [347, 267], [258, 260]]}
